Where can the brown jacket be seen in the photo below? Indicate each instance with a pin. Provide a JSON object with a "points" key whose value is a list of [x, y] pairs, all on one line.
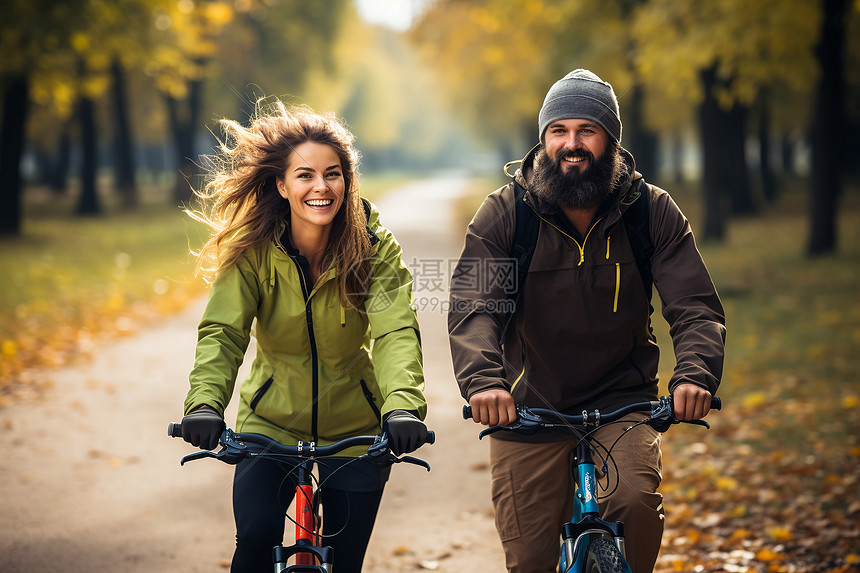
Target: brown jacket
{"points": [[581, 335]]}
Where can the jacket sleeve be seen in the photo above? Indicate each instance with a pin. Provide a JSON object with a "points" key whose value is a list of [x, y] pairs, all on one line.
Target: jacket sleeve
{"points": [[691, 305], [396, 343], [223, 336], [476, 314]]}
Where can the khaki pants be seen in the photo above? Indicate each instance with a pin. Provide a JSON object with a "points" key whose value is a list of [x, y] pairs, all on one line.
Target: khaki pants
{"points": [[532, 490]]}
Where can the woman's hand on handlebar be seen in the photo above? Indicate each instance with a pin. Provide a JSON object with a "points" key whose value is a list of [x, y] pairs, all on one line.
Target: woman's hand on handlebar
{"points": [[691, 402], [202, 428], [405, 431], [493, 407]]}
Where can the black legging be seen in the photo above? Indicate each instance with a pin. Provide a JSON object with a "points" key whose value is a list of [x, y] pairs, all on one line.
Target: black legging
{"points": [[262, 493]]}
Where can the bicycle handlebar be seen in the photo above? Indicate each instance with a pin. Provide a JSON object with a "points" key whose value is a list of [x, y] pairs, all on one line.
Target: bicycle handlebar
{"points": [[237, 446], [530, 420]]}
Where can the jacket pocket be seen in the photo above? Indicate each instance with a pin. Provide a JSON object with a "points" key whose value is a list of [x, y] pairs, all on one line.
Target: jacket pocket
{"points": [[371, 400], [258, 395]]}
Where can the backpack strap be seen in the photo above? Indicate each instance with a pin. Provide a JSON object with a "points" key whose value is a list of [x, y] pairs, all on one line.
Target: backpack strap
{"points": [[526, 230], [637, 221]]}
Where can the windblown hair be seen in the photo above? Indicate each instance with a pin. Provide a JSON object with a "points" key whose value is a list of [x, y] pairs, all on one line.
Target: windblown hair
{"points": [[241, 204]]}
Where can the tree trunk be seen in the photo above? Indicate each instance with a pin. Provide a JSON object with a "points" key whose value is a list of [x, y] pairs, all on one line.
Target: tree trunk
{"points": [[677, 154], [124, 161], [642, 143], [787, 153], [768, 181], [714, 183], [737, 174], [15, 103], [58, 174], [183, 123], [827, 131], [88, 203]]}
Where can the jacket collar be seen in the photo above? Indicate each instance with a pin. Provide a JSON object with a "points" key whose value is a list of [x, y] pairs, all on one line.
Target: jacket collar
{"points": [[624, 194]]}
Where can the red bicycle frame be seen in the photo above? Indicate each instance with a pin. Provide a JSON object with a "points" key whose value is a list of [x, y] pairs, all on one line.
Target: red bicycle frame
{"points": [[305, 515]]}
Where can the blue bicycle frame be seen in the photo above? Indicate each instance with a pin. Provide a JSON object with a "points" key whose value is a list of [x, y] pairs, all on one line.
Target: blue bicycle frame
{"points": [[586, 527], [586, 524]]}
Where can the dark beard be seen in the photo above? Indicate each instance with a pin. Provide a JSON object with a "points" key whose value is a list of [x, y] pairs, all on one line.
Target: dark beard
{"points": [[574, 190]]}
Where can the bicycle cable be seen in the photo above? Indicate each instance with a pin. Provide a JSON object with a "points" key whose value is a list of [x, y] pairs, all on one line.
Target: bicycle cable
{"points": [[313, 501], [619, 477]]}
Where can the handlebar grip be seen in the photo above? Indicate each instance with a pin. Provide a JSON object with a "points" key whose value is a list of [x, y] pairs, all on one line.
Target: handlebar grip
{"points": [[716, 403], [431, 437], [467, 412], [174, 429]]}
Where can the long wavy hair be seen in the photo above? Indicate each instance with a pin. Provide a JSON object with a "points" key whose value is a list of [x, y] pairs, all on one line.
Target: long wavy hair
{"points": [[241, 205]]}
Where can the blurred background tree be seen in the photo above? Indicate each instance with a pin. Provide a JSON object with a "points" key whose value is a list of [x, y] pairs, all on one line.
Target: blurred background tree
{"points": [[736, 73], [118, 99]]}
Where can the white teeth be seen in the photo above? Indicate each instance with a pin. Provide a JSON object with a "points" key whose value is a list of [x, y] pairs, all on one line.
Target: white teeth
{"points": [[319, 202]]}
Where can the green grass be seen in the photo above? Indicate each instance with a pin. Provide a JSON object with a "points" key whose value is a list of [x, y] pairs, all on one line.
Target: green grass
{"points": [[793, 321], [68, 281]]}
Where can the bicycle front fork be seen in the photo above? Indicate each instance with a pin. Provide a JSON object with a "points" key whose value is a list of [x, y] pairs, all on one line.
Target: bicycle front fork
{"points": [[281, 554], [575, 534]]}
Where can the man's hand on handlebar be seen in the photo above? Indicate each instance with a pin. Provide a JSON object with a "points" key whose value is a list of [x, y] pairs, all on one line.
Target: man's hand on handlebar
{"points": [[691, 402], [493, 407]]}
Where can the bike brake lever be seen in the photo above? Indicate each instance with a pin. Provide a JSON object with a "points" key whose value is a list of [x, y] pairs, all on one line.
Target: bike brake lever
{"points": [[415, 461], [699, 423], [493, 430], [379, 453], [526, 423], [196, 456], [518, 427]]}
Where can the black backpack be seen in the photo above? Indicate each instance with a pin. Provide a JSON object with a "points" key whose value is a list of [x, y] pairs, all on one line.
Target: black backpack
{"points": [[636, 220]]}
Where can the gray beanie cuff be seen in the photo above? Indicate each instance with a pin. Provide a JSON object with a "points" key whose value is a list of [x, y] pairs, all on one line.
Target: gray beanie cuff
{"points": [[581, 95]]}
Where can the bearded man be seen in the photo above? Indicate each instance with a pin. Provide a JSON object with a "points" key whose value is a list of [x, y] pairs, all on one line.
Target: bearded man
{"points": [[580, 337]]}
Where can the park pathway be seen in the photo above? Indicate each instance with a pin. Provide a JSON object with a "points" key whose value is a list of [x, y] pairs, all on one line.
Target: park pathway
{"points": [[90, 481]]}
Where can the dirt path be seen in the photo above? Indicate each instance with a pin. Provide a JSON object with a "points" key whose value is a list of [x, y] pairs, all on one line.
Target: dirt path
{"points": [[92, 483]]}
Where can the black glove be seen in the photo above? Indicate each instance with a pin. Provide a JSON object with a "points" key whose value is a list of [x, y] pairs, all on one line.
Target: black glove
{"points": [[406, 433], [202, 428]]}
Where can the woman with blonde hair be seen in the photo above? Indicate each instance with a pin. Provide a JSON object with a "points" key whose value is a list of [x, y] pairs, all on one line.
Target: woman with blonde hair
{"points": [[295, 251]]}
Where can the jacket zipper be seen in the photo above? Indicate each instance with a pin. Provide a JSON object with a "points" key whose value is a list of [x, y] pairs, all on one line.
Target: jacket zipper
{"points": [[582, 254], [617, 276], [368, 395], [309, 319], [258, 395], [584, 240]]}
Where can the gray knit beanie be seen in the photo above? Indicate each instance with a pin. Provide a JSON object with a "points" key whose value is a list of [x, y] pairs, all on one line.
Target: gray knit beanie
{"points": [[581, 95]]}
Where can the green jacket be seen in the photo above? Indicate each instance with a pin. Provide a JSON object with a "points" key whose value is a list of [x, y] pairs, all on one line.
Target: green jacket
{"points": [[322, 372]]}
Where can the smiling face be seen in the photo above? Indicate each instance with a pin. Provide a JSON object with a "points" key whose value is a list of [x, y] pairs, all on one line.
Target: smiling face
{"points": [[579, 143], [314, 185]]}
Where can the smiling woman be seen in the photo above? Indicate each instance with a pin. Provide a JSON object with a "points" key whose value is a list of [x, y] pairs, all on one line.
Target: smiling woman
{"points": [[296, 252], [314, 186]]}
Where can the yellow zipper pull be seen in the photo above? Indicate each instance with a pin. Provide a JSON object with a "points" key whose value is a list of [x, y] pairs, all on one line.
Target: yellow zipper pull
{"points": [[342, 316], [617, 286], [607, 246]]}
